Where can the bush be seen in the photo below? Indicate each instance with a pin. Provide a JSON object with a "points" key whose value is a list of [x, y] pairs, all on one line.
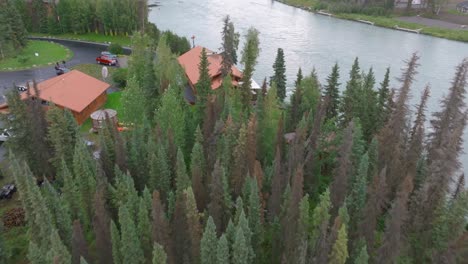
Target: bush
{"points": [[178, 44], [120, 77], [115, 48], [23, 59]]}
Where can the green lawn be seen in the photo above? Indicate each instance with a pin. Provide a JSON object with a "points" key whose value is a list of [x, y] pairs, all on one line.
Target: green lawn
{"points": [[113, 102], [95, 70], [93, 37], [389, 22], [48, 53]]}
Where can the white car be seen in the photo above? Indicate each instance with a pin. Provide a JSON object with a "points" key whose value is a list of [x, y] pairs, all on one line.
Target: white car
{"points": [[5, 135]]}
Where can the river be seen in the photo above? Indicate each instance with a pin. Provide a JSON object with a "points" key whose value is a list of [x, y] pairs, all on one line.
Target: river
{"points": [[310, 40]]}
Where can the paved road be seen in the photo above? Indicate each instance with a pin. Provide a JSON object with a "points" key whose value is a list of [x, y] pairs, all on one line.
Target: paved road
{"points": [[84, 52]]}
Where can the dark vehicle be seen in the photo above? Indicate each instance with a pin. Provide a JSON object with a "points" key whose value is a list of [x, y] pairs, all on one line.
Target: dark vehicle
{"points": [[60, 70], [107, 58], [21, 88], [7, 191]]}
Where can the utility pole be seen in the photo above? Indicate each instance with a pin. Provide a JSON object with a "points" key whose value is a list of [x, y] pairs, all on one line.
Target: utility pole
{"points": [[193, 41]]}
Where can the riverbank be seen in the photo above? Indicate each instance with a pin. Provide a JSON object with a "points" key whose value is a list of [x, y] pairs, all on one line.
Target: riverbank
{"points": [[388, 22]]}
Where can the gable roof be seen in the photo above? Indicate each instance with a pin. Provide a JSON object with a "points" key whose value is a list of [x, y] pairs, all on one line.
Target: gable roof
{"points": [[73, 90], [191, 59]]}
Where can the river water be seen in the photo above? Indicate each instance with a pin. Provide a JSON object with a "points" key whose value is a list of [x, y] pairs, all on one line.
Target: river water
{"points": [[310, 40]]}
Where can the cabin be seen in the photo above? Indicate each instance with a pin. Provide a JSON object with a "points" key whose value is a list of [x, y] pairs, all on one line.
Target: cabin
{"points": [[76, 91], [190, 61]]}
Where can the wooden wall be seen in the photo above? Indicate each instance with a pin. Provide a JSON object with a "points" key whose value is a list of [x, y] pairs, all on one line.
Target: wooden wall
{"points": [[95, 105]]}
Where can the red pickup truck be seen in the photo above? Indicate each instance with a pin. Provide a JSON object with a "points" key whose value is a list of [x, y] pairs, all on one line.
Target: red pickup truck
{"points": [[107, 58]]}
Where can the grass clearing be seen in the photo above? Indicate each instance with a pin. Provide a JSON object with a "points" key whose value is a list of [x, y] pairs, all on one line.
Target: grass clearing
{"points": [[95, 70], [389, 22], [48, 52], [113, 102], [92, 37]]}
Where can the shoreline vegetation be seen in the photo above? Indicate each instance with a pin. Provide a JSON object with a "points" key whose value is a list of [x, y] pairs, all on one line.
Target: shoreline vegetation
{"points": [[385, 21]]}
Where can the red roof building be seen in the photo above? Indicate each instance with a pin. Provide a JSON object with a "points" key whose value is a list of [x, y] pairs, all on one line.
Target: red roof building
{"points": [[78, 92], [191, 59]]}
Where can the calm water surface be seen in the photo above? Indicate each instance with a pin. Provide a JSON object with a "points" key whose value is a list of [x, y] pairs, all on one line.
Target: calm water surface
{"points": [[311, 40]]}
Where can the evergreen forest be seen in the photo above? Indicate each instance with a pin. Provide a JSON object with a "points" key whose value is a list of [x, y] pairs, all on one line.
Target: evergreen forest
{"points": [[339, 172]]}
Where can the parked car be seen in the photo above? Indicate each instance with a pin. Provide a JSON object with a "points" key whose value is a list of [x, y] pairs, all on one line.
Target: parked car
{"points": [[5, 135], [21, 88], [7, 191], [107, 58]]}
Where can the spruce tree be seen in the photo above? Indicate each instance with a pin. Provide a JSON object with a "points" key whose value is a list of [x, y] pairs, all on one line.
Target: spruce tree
{"points": [[62, 132], [133, 102], [182, 179], [57, 253], [144, 228], [198, 167], [350, 98], [159, 256], [159, 170], [209, 243], [203, 86], [130, 246], [255, 215], [363, 257], [229, 46], [339, 252], [332, 92], [240, 250], [217, 206], [222, 250], [319, 222], [249, 59], [268, 126], [279, 77], [383, 99], [116, 244]]}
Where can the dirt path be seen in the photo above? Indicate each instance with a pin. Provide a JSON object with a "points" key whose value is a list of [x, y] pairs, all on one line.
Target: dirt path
{"points": [[433, 22]]}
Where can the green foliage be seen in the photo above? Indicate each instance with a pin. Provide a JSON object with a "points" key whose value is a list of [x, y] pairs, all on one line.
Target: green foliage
{"points": [[279, 78], [268, 126], [4, 253], [115, 48], [182, 178], [339, 252], [130, 246], [133, 101], [209, 244], [120, 77], [222, 250], [159, 255], [240, 250], [12, 30], [332, 92], [249, 59], [116, 243], [363, 257]]}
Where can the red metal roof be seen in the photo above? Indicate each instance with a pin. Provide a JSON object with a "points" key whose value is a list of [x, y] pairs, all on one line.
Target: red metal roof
{"points": [[73, 90], [191, 59]]}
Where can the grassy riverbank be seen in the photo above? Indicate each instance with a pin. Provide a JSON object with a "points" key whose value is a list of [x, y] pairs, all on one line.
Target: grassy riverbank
{"points": [[92, 37], [386, 21], [48, 53]]}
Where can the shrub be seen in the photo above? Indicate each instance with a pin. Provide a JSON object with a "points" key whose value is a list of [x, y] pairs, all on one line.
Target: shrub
{"points": [[23, 59], [120, 77], [115, 48]]}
